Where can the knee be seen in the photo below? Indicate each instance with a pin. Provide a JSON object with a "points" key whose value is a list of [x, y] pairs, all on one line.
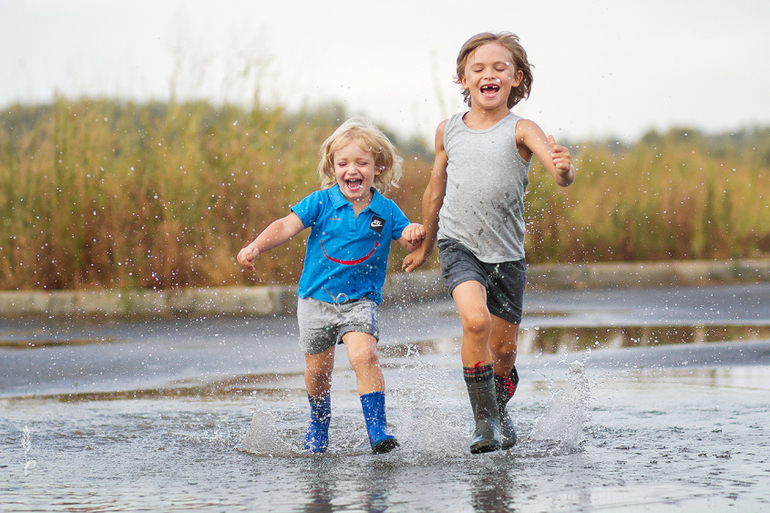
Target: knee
{"points": [[503, 351], [364, 357], [477, 323], [504, 344], [318, 375]]}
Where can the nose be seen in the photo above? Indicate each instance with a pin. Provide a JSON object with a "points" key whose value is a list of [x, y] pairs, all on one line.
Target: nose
{"points": [[491, 74]]}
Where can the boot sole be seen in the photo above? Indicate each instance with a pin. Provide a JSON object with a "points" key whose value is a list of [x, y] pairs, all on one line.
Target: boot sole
{"points": [[385, 446], [481, 449]]}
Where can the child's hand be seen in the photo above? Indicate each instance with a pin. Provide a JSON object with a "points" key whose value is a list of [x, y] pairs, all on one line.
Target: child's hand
{"points": [[246, 256], [415, 259], [414, 233], [561, 157]]}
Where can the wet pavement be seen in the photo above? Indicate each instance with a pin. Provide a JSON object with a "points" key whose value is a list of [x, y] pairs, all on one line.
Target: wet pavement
{"points": [[632, 400]]}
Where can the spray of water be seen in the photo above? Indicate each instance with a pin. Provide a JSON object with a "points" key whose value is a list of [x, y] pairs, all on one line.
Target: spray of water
{"points": [[26, 444], [567, 409], [431, 417], [264, 437]]}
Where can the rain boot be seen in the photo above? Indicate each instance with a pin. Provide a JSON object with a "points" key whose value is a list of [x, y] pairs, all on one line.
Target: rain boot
{"points": [[481, 390], [374, 414], [317, 436], [505, 386]]}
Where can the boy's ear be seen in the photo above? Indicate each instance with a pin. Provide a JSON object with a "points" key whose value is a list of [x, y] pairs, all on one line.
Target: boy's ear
{"points": [[517, 78]]}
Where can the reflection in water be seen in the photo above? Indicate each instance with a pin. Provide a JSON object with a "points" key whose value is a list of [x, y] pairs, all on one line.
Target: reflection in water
{"points": [[495, 490], [376, 485], [326, 483], [554, 340], [319, 485]]}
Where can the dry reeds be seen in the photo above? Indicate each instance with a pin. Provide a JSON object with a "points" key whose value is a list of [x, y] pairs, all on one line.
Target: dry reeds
{"points": [[682, 195], [108, 194]]}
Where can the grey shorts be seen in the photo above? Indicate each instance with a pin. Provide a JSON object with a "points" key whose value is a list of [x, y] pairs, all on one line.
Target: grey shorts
{"points": [[322, 325], [505, 281]]}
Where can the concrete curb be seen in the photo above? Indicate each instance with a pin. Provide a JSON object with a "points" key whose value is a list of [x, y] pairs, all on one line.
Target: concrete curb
{"points": [[279, 300], [648, 274]]}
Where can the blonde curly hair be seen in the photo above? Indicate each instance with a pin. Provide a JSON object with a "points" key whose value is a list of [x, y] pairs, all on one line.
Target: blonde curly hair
{"points": [[363, 132]]}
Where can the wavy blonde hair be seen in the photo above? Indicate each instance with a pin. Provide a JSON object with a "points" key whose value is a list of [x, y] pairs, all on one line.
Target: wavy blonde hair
{"points": [[363, 132], [510, 41]]}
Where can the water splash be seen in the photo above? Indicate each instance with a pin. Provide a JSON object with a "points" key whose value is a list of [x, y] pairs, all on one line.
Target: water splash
{"points": [[429, 411], [567, 410], [264, 437], [26, 444]]}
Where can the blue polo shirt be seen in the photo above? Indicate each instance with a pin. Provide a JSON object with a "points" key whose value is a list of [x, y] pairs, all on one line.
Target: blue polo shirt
{"points": [[347, 256]]}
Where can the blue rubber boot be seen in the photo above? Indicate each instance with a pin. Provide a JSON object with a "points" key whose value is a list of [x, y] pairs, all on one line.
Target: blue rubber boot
{"points": [[374, 414], [317, 436], [505, 387], [480, 382]]}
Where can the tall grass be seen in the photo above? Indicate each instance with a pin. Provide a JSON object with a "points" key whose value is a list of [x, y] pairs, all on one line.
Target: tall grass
{"points": [[681, 195], [98, 193]]}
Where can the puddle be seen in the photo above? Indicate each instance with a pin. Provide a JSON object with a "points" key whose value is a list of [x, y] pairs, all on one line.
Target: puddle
{"points": [[554, 340]]}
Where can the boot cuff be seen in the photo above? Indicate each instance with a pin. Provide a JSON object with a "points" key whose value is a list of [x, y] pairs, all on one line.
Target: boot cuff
{"points": [[480, 373]]}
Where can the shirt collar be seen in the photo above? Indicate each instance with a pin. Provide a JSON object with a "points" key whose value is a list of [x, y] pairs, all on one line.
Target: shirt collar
{"points": [[339, 200]]}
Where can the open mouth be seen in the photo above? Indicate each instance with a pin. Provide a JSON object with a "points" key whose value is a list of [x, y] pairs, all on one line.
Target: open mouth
{"points": [[354, 183], [490, 90]]}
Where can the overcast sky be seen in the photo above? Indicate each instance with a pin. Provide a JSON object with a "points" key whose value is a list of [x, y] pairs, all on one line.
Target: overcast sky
{"points": [[603, 68]]}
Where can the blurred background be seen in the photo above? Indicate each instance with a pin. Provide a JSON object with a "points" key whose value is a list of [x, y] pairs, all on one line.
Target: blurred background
{"points": [[143, 143]]}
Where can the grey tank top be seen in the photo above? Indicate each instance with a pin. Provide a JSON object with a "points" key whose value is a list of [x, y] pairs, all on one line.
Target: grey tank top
{"points": [[486, 180]]}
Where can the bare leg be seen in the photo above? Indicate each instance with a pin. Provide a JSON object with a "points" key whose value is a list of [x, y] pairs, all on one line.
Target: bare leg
{"points": [[318, 373], [318, 381], [362, 353], [471, 300], [503, 344]]}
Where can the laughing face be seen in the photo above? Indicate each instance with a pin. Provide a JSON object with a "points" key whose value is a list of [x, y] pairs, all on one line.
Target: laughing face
{"points": [[355, 170], [490, 75]]}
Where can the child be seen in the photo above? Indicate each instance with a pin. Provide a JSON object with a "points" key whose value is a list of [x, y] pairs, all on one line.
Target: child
{"points": [[351, 226], [473, 205]]}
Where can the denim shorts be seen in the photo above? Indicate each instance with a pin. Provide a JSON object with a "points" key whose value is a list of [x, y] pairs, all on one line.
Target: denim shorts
{"points": [[505, 281], [322, 325]]}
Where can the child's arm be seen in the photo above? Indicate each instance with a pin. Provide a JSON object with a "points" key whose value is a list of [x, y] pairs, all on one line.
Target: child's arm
{"points": [[555, 159], [411, 237], [277, 233], [432, 200]]}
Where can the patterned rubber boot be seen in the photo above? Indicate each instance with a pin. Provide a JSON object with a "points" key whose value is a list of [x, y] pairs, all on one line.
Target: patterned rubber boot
{"points": [[380, 438], [481, 390], [317, 436], [505, 387]]}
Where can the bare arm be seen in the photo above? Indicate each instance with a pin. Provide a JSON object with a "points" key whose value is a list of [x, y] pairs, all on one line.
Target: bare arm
{"points": [[555, 159], [278, 232], [432, 200]]}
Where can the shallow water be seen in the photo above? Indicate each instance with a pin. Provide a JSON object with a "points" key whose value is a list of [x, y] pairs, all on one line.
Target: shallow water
{"points": [[209, 414]]}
